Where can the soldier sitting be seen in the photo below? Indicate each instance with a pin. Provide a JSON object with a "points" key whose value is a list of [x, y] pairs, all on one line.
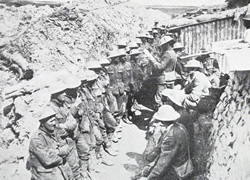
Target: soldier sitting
{"points": [[170, 158], [197, 87]]}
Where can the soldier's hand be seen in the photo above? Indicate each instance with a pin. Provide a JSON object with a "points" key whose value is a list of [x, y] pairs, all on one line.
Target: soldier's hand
{"points": [[64, 150]]}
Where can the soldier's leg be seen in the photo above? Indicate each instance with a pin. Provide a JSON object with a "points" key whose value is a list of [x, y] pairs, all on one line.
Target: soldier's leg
{"points": [[160, 88], [124, 109], [83, 147], [73, 159], [110, 122]]}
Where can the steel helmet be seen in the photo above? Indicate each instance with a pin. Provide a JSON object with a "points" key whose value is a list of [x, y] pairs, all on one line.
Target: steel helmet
{"points": [[178, 45], [45, 113], [91, 75], [134, 52], [193, 63], [104, 62], [132, 44], [166, 113], [165, 39]]}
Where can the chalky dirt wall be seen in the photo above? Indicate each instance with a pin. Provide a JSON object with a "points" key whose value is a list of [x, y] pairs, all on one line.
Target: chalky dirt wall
{"points": [[45, 40], [230, 138]]}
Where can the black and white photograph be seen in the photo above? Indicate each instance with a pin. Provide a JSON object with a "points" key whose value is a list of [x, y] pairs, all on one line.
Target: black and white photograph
{"points": [[124, 89]]}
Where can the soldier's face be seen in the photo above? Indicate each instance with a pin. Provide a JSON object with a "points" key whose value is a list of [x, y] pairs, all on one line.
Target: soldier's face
{"points": [[143, 40], [116, 60], [61, 97], [97, 71], [178, 52], [50, 124], [123, 58], [156, 35]]}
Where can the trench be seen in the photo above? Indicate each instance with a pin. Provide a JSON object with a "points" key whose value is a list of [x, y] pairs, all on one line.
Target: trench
{"points": [[133, 143]]}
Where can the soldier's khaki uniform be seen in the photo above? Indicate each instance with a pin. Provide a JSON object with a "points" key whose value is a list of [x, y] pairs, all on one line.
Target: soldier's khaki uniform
{"points": [[166, 64], [68, 131], [116, 84], [44, 160], [171, 151]]}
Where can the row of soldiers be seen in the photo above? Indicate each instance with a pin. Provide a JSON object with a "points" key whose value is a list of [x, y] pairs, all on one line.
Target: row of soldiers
{"points": [[80, 128], [81, 125]]}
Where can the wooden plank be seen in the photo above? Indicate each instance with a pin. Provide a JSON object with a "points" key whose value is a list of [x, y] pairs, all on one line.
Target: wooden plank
{"points": [[185, 39], [195, 39], [232, 29], [199, 38], [215, 31]]}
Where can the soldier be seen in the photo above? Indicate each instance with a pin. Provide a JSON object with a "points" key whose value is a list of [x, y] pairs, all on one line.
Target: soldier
{"points": [[138, 42], [179, 50], [113, 130], [170, 158], [115, 71], [197, 87], [109, 123], [165, 66], [136, 79], [247, 25], [85, 139], [155, 44], [47, 155], [126, 69], [122, 44], [156, 37], [150, 31], [94, 96], [66, 123], [150, 40], [143, 38], [132, 45], [162, 30]]}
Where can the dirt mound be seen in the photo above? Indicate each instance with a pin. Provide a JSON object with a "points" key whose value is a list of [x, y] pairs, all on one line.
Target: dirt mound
{"points": [[46, 40]]}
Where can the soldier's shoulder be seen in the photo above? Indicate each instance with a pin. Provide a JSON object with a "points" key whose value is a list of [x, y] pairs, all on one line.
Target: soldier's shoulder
{"points": [[38, 134], [179, 129]]}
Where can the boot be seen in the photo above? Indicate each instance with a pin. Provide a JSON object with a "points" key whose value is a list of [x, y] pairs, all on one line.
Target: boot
{"points": [[108, 148], [113, 137], [119, 128], [84, 166], [93, 163], [126, 120], [118, 134], [103, 158]]}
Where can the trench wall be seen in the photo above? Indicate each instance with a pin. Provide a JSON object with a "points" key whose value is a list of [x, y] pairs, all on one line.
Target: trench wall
{"points": [[230, 138]]}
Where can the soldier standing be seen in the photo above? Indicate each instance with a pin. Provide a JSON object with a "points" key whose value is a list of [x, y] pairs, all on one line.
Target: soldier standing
{"points": [[47, 158], [63, 105], [115, 71], [166, 65], [136, 79]]}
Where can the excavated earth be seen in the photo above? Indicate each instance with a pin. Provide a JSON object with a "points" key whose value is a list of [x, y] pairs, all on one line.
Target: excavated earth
{"points": [[48, 39], [36, 43]]}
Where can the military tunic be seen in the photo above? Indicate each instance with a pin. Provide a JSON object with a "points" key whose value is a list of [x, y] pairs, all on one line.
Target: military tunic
{"points": [[172, 150], [44, 159]]}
